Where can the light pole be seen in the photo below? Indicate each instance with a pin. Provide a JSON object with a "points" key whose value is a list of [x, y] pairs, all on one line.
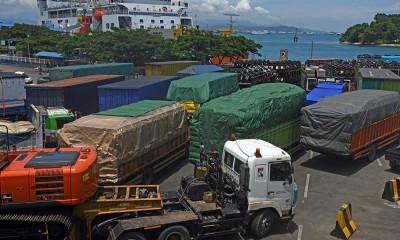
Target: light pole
{"points": [[29, 51]]}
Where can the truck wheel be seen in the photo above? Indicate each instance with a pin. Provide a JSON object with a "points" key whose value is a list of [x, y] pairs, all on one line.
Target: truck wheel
{"points": [[262, 224], [132, 236], [372, 153], [176, 232], [393, 165], [147, 175]]}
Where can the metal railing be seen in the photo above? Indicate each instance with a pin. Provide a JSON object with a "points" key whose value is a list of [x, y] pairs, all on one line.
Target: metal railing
{"points": [[23, 60]]}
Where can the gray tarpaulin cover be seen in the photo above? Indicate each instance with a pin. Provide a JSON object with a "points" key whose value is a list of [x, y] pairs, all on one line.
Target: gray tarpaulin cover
{"points": [[120, 139], [328, 125]]}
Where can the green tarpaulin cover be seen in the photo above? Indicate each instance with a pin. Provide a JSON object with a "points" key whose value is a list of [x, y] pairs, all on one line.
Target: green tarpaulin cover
{"points": [[203, 87], [67, 72], [245, 113], [136, 109]]}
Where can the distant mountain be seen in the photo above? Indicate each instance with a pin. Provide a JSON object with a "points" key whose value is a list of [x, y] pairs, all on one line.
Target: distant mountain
{"points": [[246, 26]]}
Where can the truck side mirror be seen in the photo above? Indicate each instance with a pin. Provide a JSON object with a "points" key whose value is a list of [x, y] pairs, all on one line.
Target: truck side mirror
{"points": [[290, 179]]}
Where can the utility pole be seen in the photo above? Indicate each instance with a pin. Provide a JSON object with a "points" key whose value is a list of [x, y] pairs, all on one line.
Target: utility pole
{"points": [[29, 50], [312, 47]]}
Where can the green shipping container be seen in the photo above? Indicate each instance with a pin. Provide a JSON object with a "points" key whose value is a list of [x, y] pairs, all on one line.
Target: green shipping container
{"points": [[67, 72], [167, 68], [378, 79], [266, 111], [203, 87]]}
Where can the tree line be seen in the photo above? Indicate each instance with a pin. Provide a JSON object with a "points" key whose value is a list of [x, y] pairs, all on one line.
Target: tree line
{"points": [[137, 46], [383, 30]]}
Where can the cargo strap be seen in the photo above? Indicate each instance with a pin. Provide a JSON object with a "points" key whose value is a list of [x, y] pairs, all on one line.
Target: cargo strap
{"points": [[392, 190], [344, 220]]}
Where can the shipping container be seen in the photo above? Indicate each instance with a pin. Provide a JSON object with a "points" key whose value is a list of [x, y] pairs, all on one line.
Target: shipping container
{"points": [[59, 73], [167, 68], [352, 124], [134, 90], [134, 141], [379, 79], [77, 94], [12, 94]]}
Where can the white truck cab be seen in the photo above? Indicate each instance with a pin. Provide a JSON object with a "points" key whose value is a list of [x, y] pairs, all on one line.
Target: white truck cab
{"points": [[270, 175]]}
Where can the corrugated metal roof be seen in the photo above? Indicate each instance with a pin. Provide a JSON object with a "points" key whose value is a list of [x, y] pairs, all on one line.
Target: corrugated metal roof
{"points": [[376, 73], [49, 54], [75, 81], [90, 66], [199, 69], [170, 62], [139, 82], [10, 75]]}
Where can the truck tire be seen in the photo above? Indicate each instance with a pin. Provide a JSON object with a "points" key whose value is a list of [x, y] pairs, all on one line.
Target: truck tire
{"points": [[372, 153], [131, 236], [175, 232], [263, 223], [393, 165], [147, 175]]}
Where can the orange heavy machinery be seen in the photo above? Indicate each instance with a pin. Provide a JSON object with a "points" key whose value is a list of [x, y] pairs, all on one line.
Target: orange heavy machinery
{"points": [[53, 194], [39, 186]]}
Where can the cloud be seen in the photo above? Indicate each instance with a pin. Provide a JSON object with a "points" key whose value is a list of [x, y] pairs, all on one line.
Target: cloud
{"points": [[26, 3], [243, 6], [261, 10], [18, 10], [218, 7]]}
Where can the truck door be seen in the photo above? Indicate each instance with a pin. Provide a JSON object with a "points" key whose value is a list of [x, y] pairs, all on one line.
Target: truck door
{"points": [[279, 188]]}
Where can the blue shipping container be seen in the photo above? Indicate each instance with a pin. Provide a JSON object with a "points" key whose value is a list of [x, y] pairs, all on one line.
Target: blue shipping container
{"points": [[324, 90], [134, 90]]}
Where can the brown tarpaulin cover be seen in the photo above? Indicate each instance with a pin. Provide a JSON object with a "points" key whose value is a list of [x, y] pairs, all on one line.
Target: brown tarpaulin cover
{"points": [[121, 140]]}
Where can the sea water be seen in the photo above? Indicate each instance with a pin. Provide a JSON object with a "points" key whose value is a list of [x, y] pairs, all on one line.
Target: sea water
{"points": [[313, 46]]}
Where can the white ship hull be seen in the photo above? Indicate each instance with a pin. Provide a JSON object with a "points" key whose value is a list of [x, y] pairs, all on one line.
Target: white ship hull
{"points": [[105, 14]]}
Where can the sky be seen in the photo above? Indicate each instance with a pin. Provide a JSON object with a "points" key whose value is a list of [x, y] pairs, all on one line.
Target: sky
{"points": [[325, 15]]}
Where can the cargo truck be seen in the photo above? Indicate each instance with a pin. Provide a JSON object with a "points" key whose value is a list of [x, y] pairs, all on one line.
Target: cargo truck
{"points": [[353, 124], [267, 111], [134, 141], [249, 190], [47, 122]]}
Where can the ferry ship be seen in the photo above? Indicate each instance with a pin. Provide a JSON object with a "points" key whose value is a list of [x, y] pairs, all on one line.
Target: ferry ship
{"points": [[82, 15]]}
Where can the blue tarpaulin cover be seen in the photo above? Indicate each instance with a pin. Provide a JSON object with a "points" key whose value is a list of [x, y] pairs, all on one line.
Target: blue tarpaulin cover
{"points": [[199, 69], [324, 90], [50, 54], [391, 58]]}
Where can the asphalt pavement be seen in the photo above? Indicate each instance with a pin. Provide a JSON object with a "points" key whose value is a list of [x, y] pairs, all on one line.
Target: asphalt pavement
{"points": [[31, 71], [325, 183]]}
